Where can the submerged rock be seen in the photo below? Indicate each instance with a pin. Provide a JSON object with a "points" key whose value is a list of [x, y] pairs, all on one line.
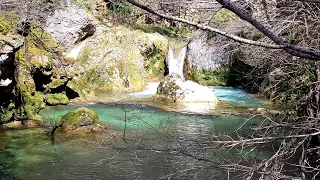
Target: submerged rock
{"points": [[83, 120], [173, 89], [20, 124]]}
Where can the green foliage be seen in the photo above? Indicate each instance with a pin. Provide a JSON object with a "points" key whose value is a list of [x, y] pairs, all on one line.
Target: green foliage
{"points": [[154, 59], [119, 7], [7, 114], [223, 15], [217, 77], [293, 88]]}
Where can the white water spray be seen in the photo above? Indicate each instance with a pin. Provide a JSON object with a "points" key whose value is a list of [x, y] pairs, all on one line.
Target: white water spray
{"points": [[175, 65]]}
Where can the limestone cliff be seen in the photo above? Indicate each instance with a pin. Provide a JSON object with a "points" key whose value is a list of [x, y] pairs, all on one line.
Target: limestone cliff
{"points": [[36, 68]]}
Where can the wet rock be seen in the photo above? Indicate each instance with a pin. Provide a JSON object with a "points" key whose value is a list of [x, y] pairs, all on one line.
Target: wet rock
{"points": [[9, 44], [20, 124], [173, 89], [82, 119], [37, 76]]}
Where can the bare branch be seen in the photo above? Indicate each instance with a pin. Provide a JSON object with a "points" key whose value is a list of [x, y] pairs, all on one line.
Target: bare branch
{"points": [[307, 53]]}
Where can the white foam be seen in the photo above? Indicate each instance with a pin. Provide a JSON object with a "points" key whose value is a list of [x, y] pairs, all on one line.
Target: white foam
{"points": [[150, 91]]}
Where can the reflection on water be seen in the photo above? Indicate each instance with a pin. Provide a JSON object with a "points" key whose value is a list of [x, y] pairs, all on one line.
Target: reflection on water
{"points": [[232, 100], [158, 145]]}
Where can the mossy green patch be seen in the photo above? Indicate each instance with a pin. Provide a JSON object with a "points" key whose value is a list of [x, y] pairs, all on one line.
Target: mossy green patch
{"points": [[114, 59], [42, 40], [78, 118], [8, 21], [7, 114], [56, 99], [35, 56], [55, 83], [223, 15], [219, 77]]}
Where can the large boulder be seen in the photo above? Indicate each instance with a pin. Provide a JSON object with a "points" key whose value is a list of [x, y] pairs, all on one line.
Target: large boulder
{"points": [[208, 59], [82, 120], [174, 89], [70, 25], [207, 51]]}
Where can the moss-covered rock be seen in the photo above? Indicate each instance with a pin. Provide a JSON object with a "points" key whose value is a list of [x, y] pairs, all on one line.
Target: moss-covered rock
{"points": [[115, 60], [217, 77], [173, 89], [36, 75], [169, 89], [223, 15], [8, 21], [79, 118], [56, 99], [7, 114], [155, 54]]}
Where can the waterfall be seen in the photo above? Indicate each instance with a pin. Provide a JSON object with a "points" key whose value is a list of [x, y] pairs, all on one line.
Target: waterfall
{"points": [[175, 65], [75, 51]]}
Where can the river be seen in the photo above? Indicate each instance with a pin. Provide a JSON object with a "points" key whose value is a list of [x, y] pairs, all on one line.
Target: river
{"points": [[156, 144]]}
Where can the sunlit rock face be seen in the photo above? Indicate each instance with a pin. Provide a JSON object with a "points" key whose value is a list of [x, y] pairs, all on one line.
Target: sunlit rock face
{"points": [[70, 25], [208, 52], [114, 59], [174, 88]]}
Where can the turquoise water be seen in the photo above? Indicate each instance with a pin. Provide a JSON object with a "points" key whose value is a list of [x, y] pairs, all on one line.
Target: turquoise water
{"points": [[237, 96], [156, 145]]}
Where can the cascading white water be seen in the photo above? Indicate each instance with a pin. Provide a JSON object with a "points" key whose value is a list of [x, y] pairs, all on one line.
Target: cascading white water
{"points": [[175, 65], [74, 52]]}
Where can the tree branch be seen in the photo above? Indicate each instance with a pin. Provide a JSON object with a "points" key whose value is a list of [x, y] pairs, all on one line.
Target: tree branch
{"points": [[307, 53]]}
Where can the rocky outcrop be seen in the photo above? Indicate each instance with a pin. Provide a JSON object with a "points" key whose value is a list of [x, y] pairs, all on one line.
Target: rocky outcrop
{"points": [[173, 89], [56, 99], [208, 59], [208, 52], [31, 75], [70, 25], [37, 73], [81, 120], [8, 46], [114, 59]]}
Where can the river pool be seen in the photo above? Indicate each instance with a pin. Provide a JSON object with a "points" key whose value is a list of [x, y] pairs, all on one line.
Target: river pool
{"points": [[156, 143]]}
